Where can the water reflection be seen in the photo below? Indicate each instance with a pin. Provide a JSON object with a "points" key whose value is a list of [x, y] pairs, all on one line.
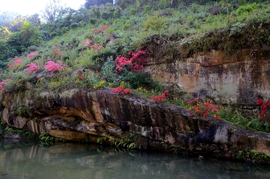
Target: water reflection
{"points": [[70, 161]]}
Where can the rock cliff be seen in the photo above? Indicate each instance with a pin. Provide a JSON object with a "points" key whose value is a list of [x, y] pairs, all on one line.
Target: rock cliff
{"points": [[235, 78], [101, 116]]}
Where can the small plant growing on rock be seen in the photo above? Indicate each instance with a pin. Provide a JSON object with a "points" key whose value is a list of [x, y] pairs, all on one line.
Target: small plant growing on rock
{"points": [[2, 83], [264, 114], [206, 109], [161, 98], [121, 90]]}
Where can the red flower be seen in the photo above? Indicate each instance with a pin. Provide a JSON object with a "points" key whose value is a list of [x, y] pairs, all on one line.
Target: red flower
{"points": [[166, 92], [259, 101], [80, 77], [205, 115]]}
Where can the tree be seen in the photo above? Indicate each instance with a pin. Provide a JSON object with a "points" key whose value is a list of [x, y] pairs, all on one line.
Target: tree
{"points": [[52, 10], [7, 52], [4, 32], [27, 36], [89, 3], [34, 19]]}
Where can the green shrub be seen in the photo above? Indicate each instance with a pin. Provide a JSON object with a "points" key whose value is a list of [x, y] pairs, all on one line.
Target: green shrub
{"points": [[246, 9], [73, 26], [108, 70], [17, 82], [132, 11], [154, 22], [92, 21], [146, 9], [138, 79]]}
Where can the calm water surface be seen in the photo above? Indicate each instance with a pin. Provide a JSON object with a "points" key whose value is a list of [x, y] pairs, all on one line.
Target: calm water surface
{"points": [[78, 161]]}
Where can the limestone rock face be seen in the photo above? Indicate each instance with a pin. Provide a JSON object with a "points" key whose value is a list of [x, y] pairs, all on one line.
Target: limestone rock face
{"points": [[237, 78], [99, 115]]}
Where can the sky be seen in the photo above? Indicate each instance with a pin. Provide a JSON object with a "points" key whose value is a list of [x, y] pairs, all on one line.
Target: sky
{"points": [[30, 7]]}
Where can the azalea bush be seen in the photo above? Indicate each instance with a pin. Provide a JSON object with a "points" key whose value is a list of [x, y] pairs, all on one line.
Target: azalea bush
{"points": [[264, 113], [32, 67], [101, 29], [121, 90], [16, 63], [52, 66], [2, 83], [32, 54], [161, 98], [135, 61], [204, 109]]}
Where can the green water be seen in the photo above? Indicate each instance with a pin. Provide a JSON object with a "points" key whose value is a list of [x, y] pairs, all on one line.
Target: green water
{"points": [[78, 161]]}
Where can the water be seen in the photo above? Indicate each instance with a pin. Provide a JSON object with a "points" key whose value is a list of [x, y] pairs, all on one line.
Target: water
{"points": [[78, 161]]}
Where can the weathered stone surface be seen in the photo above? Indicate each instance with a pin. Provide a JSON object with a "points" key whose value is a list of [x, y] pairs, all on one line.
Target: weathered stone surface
{"points": [[68, 135], [91, 115], [237, 78]]}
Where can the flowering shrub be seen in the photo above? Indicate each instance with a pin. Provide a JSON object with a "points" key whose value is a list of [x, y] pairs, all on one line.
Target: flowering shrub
{"points": [[264, 114], [31, 67], [51, 66], [16, 63], [121, 90], [206, 109], [32, 54], [135, 62], [87, 43], [96, 47], [92, 46], [99, 30], [2, 83], [100, 84], [161, 98]]}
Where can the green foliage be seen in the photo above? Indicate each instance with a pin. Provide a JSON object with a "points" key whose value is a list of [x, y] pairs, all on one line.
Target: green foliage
{"points": [[74, 25], [47, 139], [164, 3], [154, 22], [138, 79], [27, 36], [146, 9], [108, 71], [132, 11], [24, 133], [244, 9], [17, 82], [252, 155], [7, 51]]}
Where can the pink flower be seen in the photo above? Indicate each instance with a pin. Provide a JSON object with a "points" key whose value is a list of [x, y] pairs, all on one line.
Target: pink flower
{"points": [[31, 67], [51, 66], [32, 54], [135, 61], [16, 62], [87, 43], [2, 83]]}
